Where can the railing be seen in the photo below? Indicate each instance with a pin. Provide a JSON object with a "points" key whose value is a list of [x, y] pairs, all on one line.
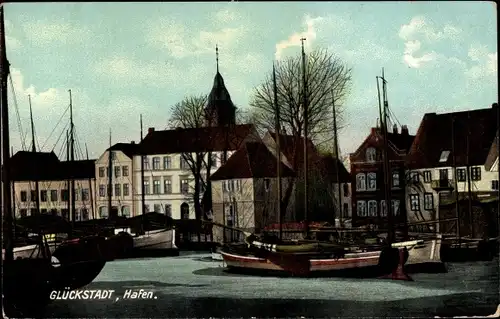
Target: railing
{"points": [[442, 183]]}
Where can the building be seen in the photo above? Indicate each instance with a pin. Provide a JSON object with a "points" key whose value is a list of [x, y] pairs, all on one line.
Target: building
{"points": [[53, 178], [455, 156], [368, 197], [123, 193], [244, 190]]}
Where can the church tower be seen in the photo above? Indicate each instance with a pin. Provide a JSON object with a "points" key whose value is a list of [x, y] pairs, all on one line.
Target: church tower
{"points": [[220, 110]]}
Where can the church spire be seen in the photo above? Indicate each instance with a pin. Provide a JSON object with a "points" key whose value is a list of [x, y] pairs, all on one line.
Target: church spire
{"points": [[217, 57]]}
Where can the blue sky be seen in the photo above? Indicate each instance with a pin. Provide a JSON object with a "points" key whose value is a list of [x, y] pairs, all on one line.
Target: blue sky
{"points": [[124, 59]]}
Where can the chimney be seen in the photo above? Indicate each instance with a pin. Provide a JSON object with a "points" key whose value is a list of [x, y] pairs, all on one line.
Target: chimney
{"points": [[404, 130], [151, 130], [494, 106], [395, 129]]}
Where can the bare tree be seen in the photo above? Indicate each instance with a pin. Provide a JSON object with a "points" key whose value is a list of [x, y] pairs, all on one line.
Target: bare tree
{"points": [[189, 114], [328, 80]]}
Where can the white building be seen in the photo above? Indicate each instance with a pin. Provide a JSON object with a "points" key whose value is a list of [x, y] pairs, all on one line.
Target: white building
{"points": [[444, 147]]}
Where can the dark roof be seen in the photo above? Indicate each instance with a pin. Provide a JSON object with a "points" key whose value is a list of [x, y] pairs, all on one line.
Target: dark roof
{"points": [[252, 160], [129, 149], [329, 166], [435, 136], [399, 144], [293, 148], [219, 95], [401, 141], [31, 166], [205, 139]]}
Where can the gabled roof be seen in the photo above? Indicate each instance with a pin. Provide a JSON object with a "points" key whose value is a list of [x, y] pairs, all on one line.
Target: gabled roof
{"points": [[400, 143], [474, 133], [197, 140], [252, 160], [293, 148], [32, 166], [129, 149], [492, 154]]}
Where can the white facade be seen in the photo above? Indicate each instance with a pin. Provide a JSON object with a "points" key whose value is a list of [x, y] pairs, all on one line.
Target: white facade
{"points": [[122, 181], [423, 204], [169, 184]]}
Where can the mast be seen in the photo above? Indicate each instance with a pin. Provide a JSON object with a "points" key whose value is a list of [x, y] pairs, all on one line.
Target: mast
{"points": [[72, 157], [306, 160], [278, 156], [68, 186], [386, 167], [7, 213], [110, 176], [457, 207], [143, 195], [33, 149], [337, 159], [469, 184], [90, 187]]}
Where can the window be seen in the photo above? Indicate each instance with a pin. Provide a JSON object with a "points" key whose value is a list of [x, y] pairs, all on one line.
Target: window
{"points": [[145, 160], [33, 196], [461, 177], [24, 196], [371, 154], [118, 190], [395, 207], [494, 185], [238, 185], [167, 185], [85, 194], [156, 186], [267, 184], [361, 182], [125, 190], [64, 195], [125, 170], [475, 173], [167, 162], [84, 214], [230, 185], [346, 189], [415, 177], [361, 208], [427, 176], [395, 179], [184, 185], [53, 195], [43, 196], [146, 208], [103, 212], [147, 191], [443, 174], [183, 163], [372, 208], [156, 163], [213, 160], [101, 171], [157, 208], [444, 156], [168, 210], [117, 171], [414, 202], [383, 208], [102, 190], [428, 201], [126, 211], [372, 181], [345, 212]]}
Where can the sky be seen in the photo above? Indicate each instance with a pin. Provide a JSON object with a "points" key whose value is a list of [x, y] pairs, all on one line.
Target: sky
{"points": [[121, 60]]}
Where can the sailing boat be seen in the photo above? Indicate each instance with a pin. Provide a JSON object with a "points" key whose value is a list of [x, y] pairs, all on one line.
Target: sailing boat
{"points": [[152, 233]]}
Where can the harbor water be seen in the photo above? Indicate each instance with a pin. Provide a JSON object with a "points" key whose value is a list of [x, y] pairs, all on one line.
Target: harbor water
{"points": [[193, 285]]}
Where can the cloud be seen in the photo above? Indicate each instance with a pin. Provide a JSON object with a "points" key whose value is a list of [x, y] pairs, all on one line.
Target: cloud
{"points": [[11, 42], [226, 16], [182, 43], [419, 29], [294, 39], [485, 63], [42, 33]]}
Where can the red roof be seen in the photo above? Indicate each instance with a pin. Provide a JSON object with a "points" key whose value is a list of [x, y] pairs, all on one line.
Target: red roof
{"points": [[197, 140], [434, 136], [252, 160]]}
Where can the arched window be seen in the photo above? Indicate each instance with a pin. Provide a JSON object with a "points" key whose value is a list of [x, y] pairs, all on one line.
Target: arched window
{"points": [[103, 212], [372, 208], [185, 211], [360, 182], [126, 211], [361, 208], [372, 181], [383, 209], [371, 154]]}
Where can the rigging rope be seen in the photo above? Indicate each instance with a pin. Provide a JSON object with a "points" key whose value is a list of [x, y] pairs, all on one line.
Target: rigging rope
{"points": [[53, 130], [20, 127]]}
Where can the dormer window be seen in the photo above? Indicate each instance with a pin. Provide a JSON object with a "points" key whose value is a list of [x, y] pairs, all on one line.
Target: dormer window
{"points": [[444, 156], [371, 154]]}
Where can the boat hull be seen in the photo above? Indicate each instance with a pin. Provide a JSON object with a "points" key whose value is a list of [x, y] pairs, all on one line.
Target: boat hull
{"points": [[30, 251], [423, 255]]}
